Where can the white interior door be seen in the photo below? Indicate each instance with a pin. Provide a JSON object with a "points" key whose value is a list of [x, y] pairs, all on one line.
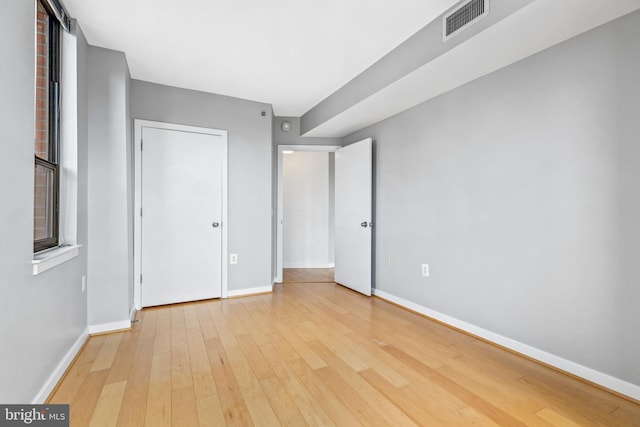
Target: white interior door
{"points": [[181, 225], [353, 216]]}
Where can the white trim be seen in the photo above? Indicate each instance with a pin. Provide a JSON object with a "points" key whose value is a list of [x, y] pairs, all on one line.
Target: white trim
{"points": [[249, 291], [597, 377], [59, 370], [299, 265], [310, 148], [68, 168], [109, 327], [132, 313], [46, 260], [279, 232], [137, 267]]}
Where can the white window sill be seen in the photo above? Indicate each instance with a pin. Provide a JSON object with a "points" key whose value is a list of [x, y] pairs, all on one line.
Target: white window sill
{"points": [[46, 260]]}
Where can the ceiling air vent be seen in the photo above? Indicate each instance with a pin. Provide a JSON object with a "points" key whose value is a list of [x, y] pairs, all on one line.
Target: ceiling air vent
{"points": [[463, 16]]}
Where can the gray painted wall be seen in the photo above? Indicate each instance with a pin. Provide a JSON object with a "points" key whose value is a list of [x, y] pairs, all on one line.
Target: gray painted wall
{"points": [[522, 192], [41, 316], [130, 186], [250, 163], [293, 137], [83, 141], [109, 282]]}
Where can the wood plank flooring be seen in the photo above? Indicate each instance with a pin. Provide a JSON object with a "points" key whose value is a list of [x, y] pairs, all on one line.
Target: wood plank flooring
{"points": [[317, 354], [307, 275]]}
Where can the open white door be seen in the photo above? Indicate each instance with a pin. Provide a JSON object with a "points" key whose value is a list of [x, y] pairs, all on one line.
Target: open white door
{"points": [[353, 216]]}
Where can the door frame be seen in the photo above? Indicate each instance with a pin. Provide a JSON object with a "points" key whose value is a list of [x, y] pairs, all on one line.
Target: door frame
{"points": [[137, 219], [279, 224]]}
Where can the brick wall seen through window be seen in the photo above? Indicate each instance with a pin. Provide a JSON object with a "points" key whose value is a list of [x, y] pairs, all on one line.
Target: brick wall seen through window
{"points": [[45, 211]]}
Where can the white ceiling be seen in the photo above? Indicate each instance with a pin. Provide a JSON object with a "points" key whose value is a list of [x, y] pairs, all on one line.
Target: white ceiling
{"points": [[289, 53], [294, 53]]}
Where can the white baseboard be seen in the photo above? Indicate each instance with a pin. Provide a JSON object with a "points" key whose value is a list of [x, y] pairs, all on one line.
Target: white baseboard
{"points": [[597, 377], [109, 327], [132, 313], [249, 291], [302, 265], [59, 371]]}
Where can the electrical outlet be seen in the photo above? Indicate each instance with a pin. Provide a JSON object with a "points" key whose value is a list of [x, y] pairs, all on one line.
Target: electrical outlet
{"points": [[233, 259], [425, 270], [84, 283], [387, 261]]}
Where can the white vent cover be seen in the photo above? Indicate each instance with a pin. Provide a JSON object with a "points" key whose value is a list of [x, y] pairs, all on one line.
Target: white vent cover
{"points": [[463, 16]]}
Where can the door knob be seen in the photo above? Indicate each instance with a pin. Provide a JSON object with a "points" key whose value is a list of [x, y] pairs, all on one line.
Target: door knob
{"points": [[215, 225], [364, 224]]}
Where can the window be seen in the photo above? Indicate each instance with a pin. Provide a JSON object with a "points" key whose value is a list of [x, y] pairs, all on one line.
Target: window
{"points": [[47, 132]]}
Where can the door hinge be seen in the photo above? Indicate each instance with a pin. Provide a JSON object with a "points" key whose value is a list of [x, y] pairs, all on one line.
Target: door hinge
{"points": [[140, 211], [141, 279], [140, 145]]}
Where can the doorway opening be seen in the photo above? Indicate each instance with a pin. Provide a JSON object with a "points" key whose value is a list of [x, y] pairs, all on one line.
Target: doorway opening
{"points": [[352, 218], [305, 224]]}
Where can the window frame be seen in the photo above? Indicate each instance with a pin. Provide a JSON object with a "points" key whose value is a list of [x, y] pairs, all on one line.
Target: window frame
{"points": [[53, 108]]}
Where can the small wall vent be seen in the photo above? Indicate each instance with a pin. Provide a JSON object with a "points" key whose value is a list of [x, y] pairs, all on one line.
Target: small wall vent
{"points": [[463, 16]]}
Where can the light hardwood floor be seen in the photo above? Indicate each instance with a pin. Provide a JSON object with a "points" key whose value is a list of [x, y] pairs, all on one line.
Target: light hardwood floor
{"points": [[317, 354], [307, 275]]}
